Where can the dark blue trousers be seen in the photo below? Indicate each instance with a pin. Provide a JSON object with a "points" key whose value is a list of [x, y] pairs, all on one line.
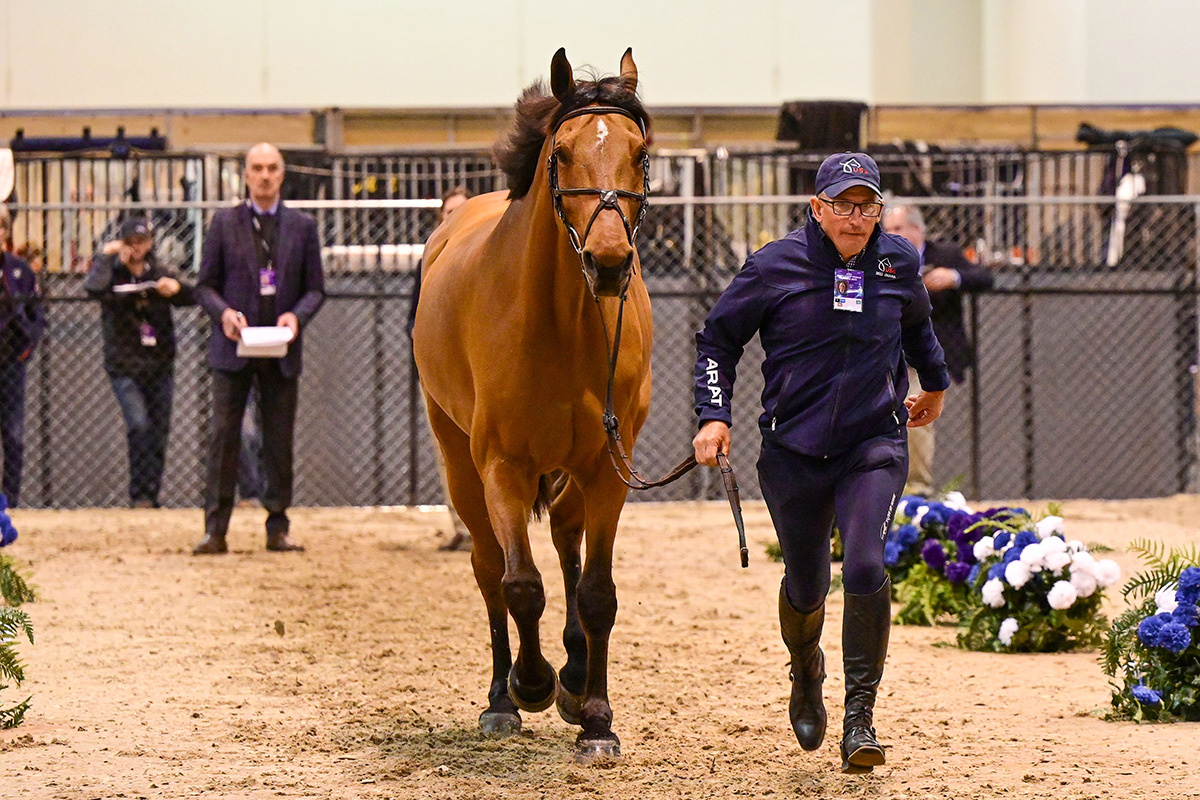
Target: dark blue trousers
{"points": [[145, 402], [12, 426], [858, 488]]}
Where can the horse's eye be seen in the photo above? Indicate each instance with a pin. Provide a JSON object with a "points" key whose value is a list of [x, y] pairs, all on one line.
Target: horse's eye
{"points": [[561, 157]]}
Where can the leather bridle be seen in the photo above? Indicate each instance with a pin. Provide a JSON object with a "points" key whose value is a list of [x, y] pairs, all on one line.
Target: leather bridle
{"points": [[608, 200]]}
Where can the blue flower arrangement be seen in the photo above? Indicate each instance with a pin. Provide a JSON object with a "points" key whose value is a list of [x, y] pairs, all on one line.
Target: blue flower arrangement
{"points": [[1152, 653], [929, 555], [1036, 591]]}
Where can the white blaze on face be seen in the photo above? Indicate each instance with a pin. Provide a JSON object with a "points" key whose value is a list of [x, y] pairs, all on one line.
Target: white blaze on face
{"points": [[601, 132]]}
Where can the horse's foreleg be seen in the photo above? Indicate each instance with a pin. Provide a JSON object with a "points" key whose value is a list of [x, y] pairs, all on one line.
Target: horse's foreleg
{"points": [[566, 528], [487, 559], [510, 492], [598, 612]]}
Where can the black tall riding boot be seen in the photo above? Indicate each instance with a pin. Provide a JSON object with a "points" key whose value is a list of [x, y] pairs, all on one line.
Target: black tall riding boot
{"points": [[865, 628], [802, 635]]}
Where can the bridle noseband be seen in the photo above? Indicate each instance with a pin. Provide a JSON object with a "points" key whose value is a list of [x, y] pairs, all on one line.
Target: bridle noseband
{"points": [[608, 197]]}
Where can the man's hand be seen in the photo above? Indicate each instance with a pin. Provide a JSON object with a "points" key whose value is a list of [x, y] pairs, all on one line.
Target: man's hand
{"points": [[713, 437], [939, 279], [289, 320], [111, 248], [923, 408], [232, 323], [167, 287]]}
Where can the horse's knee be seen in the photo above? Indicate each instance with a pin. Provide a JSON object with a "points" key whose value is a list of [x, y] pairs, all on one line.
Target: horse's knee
{"points": [[597, 600], [524, 596]]}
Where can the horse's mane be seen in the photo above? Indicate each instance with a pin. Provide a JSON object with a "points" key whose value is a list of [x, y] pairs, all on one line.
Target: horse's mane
{"points": [[538, 112]]}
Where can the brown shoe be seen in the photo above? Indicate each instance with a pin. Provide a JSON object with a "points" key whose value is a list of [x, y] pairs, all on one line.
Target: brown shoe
{"points": [[460, 542], [280, 543], [210, 545]]}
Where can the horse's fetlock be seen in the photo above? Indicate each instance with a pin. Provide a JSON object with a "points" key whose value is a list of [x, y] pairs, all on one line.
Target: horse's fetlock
{"points": [[525, 597]]}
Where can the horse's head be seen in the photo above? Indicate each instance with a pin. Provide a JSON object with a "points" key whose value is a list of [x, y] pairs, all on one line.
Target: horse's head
{"points": [[599, 176]]}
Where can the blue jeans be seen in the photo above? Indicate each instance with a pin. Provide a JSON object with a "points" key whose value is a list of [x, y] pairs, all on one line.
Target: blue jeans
{"points": [[146, 405], [12, 426]]}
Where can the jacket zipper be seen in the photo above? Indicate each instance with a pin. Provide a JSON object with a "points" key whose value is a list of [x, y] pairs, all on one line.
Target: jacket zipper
{"points": [[787, 380]]}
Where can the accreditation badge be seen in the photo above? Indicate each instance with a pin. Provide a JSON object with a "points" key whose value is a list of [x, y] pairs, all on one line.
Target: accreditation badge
{"points": [[847, 290]]}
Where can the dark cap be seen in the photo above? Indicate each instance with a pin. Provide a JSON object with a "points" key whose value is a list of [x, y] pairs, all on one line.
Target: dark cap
{"points": [[840, 172], [133, 227]]}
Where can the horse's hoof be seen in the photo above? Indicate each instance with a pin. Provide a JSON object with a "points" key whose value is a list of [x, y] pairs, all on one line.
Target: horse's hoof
{"points": [[499, 723], [570, 706], [593, 748], [533, 704]]}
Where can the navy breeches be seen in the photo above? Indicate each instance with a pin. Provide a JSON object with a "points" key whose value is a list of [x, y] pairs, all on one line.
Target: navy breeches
{"points": [[805, 494]]}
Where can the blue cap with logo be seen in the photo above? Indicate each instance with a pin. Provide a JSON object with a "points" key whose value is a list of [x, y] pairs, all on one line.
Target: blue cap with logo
{"points": [[135, 228], [844, 170]]}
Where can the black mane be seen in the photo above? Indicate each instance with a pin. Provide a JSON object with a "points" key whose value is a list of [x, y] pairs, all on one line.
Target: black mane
{"points": [[538, 112]]}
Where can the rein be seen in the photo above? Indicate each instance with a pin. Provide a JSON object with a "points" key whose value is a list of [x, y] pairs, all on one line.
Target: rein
{"points": [[608, 200]]}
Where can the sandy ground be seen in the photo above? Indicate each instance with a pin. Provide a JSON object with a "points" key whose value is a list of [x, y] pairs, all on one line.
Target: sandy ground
{"points": [[358, 669]]}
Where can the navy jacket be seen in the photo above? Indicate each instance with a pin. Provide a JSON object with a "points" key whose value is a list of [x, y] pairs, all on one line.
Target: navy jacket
{"points": [[22, 318], [122, 316], [832, 378], [947, 305], [229, 268]]}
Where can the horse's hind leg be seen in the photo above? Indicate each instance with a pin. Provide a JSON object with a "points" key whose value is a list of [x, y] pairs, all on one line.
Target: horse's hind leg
{"points": [[487, 559], [511, 491], [566, 528]]}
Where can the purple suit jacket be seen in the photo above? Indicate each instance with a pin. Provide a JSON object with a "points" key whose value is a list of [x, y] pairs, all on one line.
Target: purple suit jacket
{"points": [[229, 279]]}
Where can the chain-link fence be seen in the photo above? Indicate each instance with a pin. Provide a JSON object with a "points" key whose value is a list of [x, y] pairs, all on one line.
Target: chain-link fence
{"points": [[1084, 384]]}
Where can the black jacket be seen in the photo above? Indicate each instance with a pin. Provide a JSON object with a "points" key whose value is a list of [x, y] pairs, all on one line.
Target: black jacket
{"points": [[122, 316], [22, 318], [947, 305], [228, 278]]}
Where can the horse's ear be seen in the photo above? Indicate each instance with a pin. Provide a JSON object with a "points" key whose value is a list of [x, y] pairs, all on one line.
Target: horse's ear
{"points": [[629, 70], [562, 77]]}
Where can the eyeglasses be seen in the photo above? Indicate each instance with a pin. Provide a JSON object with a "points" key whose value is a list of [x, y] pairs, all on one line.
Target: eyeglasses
{"points": [[844, 208]]}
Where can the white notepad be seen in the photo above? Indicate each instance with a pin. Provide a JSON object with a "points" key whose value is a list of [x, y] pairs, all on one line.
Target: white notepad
{"points": [[264, 342]]}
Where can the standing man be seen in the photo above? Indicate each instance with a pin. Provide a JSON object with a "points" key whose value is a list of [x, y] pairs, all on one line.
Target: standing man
{"points": [[22, 322], [946, 273], [136, 296], [261, 266], [839, 308]]}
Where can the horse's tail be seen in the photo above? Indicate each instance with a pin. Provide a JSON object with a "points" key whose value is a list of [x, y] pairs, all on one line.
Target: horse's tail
{"points": [[550, 486]]}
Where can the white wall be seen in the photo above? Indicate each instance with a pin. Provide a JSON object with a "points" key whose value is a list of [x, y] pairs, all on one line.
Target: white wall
{"points": [[388, 53]]}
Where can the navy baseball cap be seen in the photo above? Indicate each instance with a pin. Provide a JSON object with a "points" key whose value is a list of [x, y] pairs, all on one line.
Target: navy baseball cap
{"points": [[844, 170], [133, 227]]}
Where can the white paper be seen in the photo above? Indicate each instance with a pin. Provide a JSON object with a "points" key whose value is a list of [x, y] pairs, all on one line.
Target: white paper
{"points": [[130, 288], [264, 342]]}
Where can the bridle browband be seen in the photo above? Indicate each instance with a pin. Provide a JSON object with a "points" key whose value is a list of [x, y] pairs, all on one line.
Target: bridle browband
{"points": [[612, 426]]}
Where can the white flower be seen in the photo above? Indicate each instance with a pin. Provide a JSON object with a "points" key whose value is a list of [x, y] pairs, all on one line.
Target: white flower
{"points": [[1017, 573], [1056, 561], [1164, 598], [1054, 544], [1076, 546], [956, 501], [1083, 562], [919, 515], [1062, 595], [984, 548], [1108, 572], [1048, 526], [1007, 629], [993, 593], [1084, 582], [1035, 556]]}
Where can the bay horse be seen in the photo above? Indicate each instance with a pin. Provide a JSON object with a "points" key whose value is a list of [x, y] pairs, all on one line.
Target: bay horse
{"points": [[511, 342]]}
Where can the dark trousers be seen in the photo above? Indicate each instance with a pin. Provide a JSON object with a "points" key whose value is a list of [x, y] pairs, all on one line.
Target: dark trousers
{"points": [[145, 402], [251, 480], [805, 494], [277, 400], [12, 426]]}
